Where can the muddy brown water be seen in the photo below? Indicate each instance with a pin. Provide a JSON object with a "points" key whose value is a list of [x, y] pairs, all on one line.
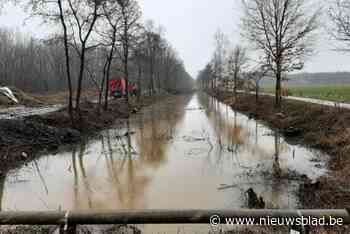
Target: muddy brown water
{"points": [[185, 153]]}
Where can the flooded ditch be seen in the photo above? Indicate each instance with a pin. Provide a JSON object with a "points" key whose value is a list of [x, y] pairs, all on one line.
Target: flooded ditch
{"points": [[191, 152]]}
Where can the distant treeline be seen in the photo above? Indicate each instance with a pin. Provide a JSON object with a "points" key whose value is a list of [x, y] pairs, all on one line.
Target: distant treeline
{"points": [[313, 78], [30, 64], [39, 66]]}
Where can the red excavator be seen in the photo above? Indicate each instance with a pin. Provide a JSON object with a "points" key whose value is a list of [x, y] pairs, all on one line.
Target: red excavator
{"points": [[117, 87]]}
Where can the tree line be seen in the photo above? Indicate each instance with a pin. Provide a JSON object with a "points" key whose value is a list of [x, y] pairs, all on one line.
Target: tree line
{"points": [[281, 36], [93, 41]]}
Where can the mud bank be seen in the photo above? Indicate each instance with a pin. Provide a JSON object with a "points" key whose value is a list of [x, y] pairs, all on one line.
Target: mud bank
{"points": [[105, 229], [44, 99], [316, 126], [23, 139]]}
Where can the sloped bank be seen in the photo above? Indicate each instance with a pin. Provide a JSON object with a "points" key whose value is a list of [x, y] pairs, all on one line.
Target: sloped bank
{"points": [[22, 140], [315, 126]]}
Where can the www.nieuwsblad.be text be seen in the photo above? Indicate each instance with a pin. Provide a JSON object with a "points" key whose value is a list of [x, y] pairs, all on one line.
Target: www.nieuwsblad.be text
{"points": [[216, 220]]}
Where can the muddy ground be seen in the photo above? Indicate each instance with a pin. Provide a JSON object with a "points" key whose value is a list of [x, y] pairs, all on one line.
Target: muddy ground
{"points": [[23, 139], [320, 127], [122, 229], [44, 99], [104, 229], [316, 126]]}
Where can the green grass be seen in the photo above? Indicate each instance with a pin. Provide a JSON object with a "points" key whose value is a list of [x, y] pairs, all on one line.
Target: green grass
{"points": [[339, 93]]}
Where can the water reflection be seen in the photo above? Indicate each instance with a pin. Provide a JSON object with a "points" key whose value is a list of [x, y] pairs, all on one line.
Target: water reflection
{"points": [[183, 153], [276, 173], [113, 182], [2, 185], [261, 156], [85, 180], [152, 140], [276, 162], [125, 160]]}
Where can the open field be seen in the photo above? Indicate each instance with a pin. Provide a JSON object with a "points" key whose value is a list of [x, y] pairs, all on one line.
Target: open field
{"points": [[339, 93]]}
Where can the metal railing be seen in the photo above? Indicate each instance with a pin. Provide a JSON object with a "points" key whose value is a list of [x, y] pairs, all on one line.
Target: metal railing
{"points": [[68, 220]]}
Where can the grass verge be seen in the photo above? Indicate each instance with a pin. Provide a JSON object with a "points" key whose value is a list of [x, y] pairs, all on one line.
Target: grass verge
{"points": [[337, 93], [316, 126]]}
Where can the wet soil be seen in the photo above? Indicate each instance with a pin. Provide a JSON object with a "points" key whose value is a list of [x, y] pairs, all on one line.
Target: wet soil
{"points": [[23, 139], [104, 229], [209, 154], [43, 99], [169, 140], [322, 127]]}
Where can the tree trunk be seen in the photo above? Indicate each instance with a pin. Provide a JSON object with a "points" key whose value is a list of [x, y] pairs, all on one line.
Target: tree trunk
{"points": [[127, 80], [2, 183], [80, 77], [109, 62], [256, 93], [278, 89], [103, 83], [105, 107], [126, 52], [158, 78], [235, 85], [215, 78], [151, 77], [66, 50], [139, 91]]}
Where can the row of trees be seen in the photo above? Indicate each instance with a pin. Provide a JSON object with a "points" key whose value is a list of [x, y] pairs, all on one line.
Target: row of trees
{"points": [[281, 34], [93, 41], [226, 66], [31, 64]]}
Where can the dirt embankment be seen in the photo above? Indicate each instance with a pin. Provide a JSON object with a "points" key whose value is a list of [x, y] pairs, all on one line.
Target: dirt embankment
{"points": [[22, 139], [51, 98], [316, 126]]}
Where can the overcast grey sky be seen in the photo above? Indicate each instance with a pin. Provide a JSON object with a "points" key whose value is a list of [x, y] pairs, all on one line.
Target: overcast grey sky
{"points": [[190, 26]]}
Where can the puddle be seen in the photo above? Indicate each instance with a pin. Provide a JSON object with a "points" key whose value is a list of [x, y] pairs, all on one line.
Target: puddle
{"points": [[175, 157]]}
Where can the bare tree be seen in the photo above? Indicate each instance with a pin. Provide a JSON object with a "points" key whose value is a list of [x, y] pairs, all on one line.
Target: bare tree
{"points": [[160, 62], [111, 27], [219, 57], [66, 51], [84, 15], [339, 13], [283, 30], [204, 77], [237, 60], [140, 57], [48, 10], [77, 19], [76, 51], [96, 66], [30, 64], [170, 62], [155, 56], [255, 76], [152, 43], [130, 15]]}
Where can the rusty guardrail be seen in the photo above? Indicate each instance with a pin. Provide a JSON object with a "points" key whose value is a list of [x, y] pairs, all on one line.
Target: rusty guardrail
{"points": [[72, 218]]}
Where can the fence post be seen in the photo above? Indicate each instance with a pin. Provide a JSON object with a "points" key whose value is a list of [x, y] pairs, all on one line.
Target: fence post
{"points": [[68, 229]]}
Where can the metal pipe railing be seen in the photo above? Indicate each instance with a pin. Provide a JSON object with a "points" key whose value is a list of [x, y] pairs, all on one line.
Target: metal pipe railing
{"points": [[155, 216]]}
